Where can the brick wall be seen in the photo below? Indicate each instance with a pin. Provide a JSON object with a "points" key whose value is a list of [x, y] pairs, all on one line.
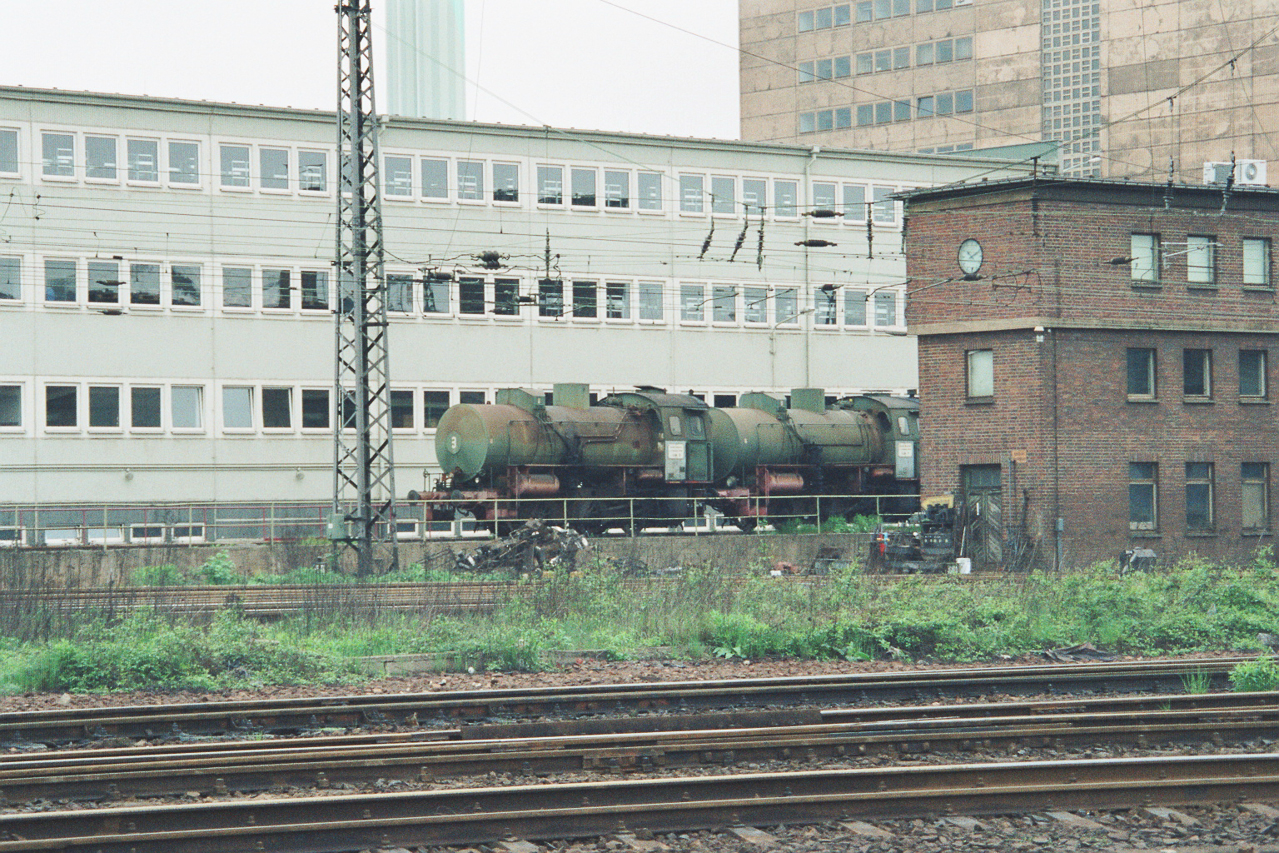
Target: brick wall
{"points": [[1060, 422]]}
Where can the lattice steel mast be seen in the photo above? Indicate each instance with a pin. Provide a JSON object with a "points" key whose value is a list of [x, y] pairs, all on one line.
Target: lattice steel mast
{"points": [[363, 466]]}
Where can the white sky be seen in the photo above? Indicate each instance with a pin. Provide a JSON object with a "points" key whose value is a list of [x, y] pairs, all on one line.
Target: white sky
{"points": [[567, 63]]}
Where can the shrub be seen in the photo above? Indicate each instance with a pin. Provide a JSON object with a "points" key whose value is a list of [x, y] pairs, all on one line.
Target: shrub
{"points": [[158, 576], [1256, 676]]}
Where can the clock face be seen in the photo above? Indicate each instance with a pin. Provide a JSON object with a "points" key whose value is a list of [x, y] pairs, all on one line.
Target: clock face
{"points": [[969, 256]]}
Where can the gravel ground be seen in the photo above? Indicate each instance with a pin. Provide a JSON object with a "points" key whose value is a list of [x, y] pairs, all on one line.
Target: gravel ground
{"points": [[582, 671]]}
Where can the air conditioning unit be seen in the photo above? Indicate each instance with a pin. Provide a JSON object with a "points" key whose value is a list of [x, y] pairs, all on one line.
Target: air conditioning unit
{"points": [[1248, 173]]}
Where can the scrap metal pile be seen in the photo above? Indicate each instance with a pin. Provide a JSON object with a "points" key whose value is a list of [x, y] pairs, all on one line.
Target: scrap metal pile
{"points": [[533, 547]]}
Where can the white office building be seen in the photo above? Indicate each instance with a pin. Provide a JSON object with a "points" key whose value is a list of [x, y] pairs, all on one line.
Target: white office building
{"points": [[166, 283]]}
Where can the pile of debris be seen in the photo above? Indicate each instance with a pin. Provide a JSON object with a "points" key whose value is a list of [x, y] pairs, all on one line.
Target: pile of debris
{"points": [[533, 547]]}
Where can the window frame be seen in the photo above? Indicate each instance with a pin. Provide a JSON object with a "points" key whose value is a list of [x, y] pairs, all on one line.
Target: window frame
{"points": [[1201, 260], [1144, 253], [1151, 371], [136, 401], [1145, 476], [308, 395], [1196, 373], [58, 161], [273, 188], [289, 408], [19, 391], [11, 272], [174, 268], [251, 399], [979, 375], [1259, 481], [1262, 377], [200, 411], [1263, 275], [169, 171], [114, 165], [76, 417], [1202, 478]]}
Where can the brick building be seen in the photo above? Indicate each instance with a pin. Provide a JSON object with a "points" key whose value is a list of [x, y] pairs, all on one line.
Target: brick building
{"points": [[1094, 364]]}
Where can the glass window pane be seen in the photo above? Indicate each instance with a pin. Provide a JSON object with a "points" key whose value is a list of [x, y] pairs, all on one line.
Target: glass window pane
{"points": [[398, 180], [276, 292], [10, 405], [188, 406], [506, 182], [807, 122], [10, 278], [8, 151], [901, 57], [315, 408], [823, 18], [805, 22], [550, 185], [144, 284], [618, 296], [401, 409], [981, 375], [854, 307], [1141, 372], [470, 295], [885, 208], [1196, 372], [901, 110], [650, 301], [237, 287], [724, 304], [184, 162], [60, 406], [825, 306], [843, 117], [825, 120], [886, 308], [104, 282], [585, 299], [945, 104], [1252, 373], [786, 306], [754, 195], [924, 54], [691, 190], [274, 165], [964, 48], [59, 155], [312, 171], [277, 408], [315, 292], [1256, 262], [617, 189], [945, 50], [691, 303], [883, 112], [144, 407], [506, 297], [964, 101], [1145, 258], [843, 66], [434, 405], [854, 203], [100, 157], [925, 107], [550, 297], [470, 180], [144, 160], [435, 294], [399, 292], [785, 198], [104, 406], [823, 196], [59, 281], [723, 194], [650, 191], [755, 307], [865, 63], [865, 115], [864, 11], [824, 69], [843, 15], [584, 187], [435, 178], [1201, 260], [237, 407], [185, 285]]}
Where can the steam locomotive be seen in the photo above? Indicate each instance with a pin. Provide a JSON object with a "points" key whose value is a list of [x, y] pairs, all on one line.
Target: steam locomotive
{"points": [[644, 458]]}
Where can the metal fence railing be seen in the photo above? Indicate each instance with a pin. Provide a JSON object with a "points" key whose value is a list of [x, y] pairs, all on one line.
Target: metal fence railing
{"points": [[106, 525]]}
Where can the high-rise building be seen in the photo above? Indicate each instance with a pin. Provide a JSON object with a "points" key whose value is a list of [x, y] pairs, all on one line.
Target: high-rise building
{"points": [[1125, 87], [426, 58]]}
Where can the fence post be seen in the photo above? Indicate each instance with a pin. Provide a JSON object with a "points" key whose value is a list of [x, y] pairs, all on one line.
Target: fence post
{"points": [[819, 513], [630, 502], [104, 528]]}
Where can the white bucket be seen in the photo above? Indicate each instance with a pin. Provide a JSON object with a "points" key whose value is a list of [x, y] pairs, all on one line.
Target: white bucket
{"points": [[965, 565]]}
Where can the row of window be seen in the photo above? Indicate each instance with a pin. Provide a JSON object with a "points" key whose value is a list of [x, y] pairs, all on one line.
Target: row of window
{"points": [[891, 59], [1143, 374], [155, 408], [115, 284], [1149, 256], [1196, 373], [887, 112], [1200, 493], [406, 177], [865, 11]]}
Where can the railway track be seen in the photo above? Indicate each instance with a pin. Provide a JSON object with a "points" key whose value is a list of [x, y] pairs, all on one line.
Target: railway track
{"points": [[633, 745], [333, 824], [303, 714]]}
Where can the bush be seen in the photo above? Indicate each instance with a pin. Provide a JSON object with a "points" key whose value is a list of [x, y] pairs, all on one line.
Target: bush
{"points": [[158, 576], [1256, 676]]}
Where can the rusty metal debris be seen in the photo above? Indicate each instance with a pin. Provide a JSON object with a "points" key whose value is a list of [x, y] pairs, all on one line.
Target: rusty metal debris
{"points": [[1079, 653], [534, 546]]}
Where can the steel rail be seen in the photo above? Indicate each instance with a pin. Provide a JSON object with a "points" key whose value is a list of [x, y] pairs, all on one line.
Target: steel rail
{"points": [[335, 824], [144, 772], [312, 713]]}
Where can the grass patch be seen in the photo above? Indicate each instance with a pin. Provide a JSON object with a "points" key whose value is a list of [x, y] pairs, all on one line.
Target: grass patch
{"points": [[1193, 606]]}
